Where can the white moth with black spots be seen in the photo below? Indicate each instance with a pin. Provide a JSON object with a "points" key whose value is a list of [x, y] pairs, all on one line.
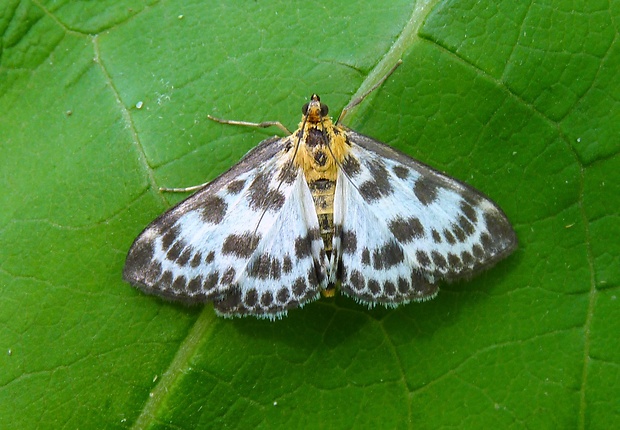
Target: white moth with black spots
{"points": [[322, 209]]}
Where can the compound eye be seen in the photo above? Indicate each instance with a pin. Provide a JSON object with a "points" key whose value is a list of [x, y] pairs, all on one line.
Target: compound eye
{"points": [[324, 109], [304, 109]]}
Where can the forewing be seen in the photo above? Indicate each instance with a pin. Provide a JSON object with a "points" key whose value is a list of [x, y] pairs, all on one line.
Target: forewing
{"points": [[402, 226], [234, 241]]}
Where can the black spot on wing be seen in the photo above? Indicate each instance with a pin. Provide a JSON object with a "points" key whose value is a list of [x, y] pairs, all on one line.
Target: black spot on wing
{"points": [[449, 237], [478, 251], [179, 284], [185, 256], [313, 275], [387, 256], [174, 252], [389, 288], [265, 267], [406, 230], [454, 262], [229, 276], [349, 242], [425, 190], [214, 209], [423, 259], [303, 289], [466, 226], [471, 198], [439, 260], [403, 285], [303, 248], [196, 260], [467, 258], [487, 242], [377, 187], [421, 288], [211, 281], [357, 280], [229, 302], [288, 173], [287, 264], [351, 166], [303, 245], [236, 186], [251, 298], [170, 237], [261, 197], [166, 280], [195, 284], [370, 191], [400, 171], [459, 233], [283, 295], [275, 270], [380, 175], [374, 287], [469, 211], [366, 257], [241, 245], [266, 299], [299, 287], [210, 257]]}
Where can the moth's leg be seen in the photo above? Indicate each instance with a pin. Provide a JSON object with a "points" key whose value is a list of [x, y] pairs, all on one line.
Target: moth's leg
{"points": [[359, 99], [252, 124], [232, 122], [182, 190]]}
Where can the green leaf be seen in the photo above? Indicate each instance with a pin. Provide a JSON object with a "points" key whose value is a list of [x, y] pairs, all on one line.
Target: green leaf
{"points": [[101, 103]]}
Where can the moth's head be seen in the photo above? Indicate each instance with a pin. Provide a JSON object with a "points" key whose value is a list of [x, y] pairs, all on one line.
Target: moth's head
{"points": [[314, 110]]}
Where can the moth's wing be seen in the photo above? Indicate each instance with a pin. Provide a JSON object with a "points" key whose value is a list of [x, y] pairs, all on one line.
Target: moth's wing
{"points": [[402, 226], [288, 267], [248, 241]]}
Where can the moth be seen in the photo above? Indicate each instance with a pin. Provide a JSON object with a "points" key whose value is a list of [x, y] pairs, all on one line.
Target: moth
{"points": [[322, 209]]}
